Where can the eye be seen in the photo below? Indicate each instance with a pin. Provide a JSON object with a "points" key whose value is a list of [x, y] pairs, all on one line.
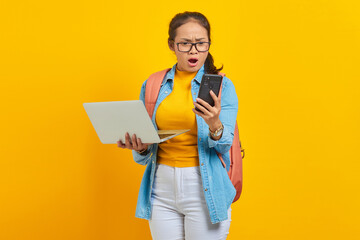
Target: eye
{"points": [[184, 43], [200, 43]]}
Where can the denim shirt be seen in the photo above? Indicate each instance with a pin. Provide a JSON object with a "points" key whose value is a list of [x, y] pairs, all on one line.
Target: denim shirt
{"points": [[218, 189]]}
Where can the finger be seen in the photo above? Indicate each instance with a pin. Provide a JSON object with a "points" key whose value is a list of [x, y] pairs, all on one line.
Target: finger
{"points": [[201, 108], [120, 144], [141, 144], [128, 141], [134, 141], [198, 113], [217, 100], [219, 95], [204, 104]]}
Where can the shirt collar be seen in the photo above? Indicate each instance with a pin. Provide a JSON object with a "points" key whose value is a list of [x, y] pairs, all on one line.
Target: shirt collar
{"points": [[171, 74]]}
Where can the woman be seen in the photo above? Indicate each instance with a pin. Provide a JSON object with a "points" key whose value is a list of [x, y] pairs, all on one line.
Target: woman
{"points": [[185, 191]]}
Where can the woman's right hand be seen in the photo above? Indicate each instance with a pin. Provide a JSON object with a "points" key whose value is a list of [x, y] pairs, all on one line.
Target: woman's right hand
{"points": [[134, 143]]}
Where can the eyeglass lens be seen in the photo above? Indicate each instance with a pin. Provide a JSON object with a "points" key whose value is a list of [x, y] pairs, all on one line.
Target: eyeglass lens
{"points": [[200, 46]]}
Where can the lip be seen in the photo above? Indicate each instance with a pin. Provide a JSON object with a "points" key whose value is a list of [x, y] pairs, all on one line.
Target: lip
{"points": [[193, 64]]}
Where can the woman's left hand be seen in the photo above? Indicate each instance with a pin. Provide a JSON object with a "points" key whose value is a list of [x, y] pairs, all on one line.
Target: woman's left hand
{"points": [[208, 113]]}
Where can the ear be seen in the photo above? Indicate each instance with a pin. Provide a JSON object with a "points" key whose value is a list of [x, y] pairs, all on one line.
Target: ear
{"points": [[171, 45]]}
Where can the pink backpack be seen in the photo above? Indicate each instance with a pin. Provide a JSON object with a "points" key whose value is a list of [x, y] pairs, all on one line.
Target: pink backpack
{"points": [[237, 153]]}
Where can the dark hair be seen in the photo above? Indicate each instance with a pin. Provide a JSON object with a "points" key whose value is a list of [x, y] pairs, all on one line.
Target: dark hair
{"points": [[182, 18]]}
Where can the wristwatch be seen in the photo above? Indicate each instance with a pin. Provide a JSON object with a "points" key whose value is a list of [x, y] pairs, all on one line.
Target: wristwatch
{"points": [[217, 132]]}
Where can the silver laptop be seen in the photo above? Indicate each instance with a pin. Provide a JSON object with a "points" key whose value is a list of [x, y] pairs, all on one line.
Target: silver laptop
{"points": [[111, 120]]}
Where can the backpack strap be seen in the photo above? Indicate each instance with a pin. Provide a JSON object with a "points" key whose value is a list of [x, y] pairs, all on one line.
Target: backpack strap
{"points": [[152, 89]]}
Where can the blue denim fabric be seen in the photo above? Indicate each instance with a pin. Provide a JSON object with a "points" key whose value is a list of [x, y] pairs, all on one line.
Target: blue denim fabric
{"points": [[218, 189]]}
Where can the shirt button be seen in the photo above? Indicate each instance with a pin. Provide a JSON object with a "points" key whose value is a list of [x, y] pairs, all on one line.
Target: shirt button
{"points": [[202, 164], [200, 139], [205, 189]]}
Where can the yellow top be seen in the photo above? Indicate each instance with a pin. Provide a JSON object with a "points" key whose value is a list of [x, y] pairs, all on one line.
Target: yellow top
{"points": [[175, 112]]}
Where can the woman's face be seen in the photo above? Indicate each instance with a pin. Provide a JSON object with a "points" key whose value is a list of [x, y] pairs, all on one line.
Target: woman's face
{"points": [[193, 60]]}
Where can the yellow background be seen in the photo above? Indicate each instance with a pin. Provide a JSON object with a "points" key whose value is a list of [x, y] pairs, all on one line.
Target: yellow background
{"points": [[295, 66]]}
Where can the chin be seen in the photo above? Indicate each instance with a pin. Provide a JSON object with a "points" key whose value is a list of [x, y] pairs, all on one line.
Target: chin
{"points": [[193, 69], [190, 69]]}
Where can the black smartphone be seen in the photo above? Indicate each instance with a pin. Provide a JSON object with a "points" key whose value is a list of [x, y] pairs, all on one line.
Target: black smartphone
{"points": [[209, 82]]}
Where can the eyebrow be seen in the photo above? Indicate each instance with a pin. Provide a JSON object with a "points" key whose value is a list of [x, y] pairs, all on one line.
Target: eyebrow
{"points": [[189, 40]]}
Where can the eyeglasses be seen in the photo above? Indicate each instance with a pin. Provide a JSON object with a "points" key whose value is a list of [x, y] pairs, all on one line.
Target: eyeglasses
{"points": [[187, 46]]}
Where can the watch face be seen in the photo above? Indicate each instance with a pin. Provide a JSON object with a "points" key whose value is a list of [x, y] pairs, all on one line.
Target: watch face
{"points": [[218, 133]]}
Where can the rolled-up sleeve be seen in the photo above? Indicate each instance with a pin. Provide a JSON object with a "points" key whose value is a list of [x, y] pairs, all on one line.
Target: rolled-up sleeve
{"points": [[143, 159], [228, 114]]}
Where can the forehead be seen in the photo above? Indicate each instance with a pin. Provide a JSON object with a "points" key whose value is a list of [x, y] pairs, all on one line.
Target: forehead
{"points": [[191, 30]]}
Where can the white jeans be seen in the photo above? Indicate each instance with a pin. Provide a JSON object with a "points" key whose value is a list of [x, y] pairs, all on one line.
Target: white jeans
{"points": [[179, 207]]}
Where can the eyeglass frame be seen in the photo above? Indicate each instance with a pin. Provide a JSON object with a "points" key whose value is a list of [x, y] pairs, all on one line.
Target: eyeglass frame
{"points": [[192, 44]]}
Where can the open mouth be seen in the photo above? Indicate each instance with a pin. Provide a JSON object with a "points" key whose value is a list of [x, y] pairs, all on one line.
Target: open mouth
{"points": [[193, 60]]}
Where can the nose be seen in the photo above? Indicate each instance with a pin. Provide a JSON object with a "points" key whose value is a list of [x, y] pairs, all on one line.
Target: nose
{"points": [[193, 49]]}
